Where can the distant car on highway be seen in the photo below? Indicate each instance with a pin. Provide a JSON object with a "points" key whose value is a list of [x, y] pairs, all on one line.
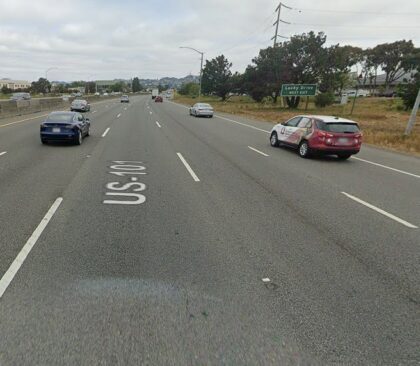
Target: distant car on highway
{"points": [[20, 96], [360, 93], [65, 126], [125, 99], [202, 109], [158, 99], [326, 135], [80, 105], [105, 94]]}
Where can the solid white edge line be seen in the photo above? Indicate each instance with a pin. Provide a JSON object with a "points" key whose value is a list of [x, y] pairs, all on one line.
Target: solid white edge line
{"points": [[387, 214], [242, 124], [257, 151], [3, 153], [24, 120], [353, 157], [228, 119], [386, 167], [188, 167], [106, 131], [17, 263], [158, 124]]}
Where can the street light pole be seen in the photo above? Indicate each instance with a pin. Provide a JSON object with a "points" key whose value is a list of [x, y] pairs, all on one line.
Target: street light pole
{"points": [[201, 68], [46, 74], [48, 70]]}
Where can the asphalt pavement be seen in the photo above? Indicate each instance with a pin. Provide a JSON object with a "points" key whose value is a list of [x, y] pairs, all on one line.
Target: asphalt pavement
{"points": [[169, 239]]}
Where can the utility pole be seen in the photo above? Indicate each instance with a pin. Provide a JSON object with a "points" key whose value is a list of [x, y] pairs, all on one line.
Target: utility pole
{"points": [[277, 22], [413, 116]]}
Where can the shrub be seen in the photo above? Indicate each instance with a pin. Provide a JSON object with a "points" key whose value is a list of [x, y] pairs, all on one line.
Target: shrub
{"points": [[324, 99]]}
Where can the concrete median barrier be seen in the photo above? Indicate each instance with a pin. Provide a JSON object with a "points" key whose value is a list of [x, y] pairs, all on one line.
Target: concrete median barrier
{"points": [[11, 108]]}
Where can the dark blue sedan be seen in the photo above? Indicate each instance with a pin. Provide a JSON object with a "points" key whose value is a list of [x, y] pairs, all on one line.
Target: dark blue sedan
{"points": [[65, 126]]}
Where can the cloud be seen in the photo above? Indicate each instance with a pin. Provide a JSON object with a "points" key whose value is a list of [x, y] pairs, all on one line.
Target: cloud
{"points": [[111, 39]]}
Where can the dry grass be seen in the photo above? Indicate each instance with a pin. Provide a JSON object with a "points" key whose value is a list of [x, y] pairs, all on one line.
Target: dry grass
{"points": [[382, 121]]}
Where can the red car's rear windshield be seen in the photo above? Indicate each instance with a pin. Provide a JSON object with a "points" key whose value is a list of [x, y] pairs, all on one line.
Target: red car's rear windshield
{"points": [[338, 127]]}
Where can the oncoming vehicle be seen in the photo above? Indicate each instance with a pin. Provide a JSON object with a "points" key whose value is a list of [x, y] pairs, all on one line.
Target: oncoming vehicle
{"points": [[201, 109], [65, 126], [125, 99], [20, 96], [324, 135], [80, 105], [158, 99]]}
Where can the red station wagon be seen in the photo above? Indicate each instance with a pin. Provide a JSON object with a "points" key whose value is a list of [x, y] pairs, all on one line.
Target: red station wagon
{"points": [[326, 135]]}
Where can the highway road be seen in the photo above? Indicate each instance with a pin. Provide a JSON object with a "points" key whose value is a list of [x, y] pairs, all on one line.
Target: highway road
{"points": [[169, 239]]}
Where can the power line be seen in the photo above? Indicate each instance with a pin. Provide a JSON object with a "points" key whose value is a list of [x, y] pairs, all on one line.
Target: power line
{"points": [[359, 26], [351, 12], [252, 34]]}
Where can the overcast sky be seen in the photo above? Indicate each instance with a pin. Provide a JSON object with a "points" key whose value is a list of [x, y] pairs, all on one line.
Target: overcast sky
{"points": [[104, 39]]}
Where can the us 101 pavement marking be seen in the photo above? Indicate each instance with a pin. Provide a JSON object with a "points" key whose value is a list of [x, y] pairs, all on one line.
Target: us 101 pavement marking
{"points": [[387, 214], [118, 115], [187, 166], [158, 124], [126, 192], [21, 257], [3, 153], [106, 131], [258, 151]]}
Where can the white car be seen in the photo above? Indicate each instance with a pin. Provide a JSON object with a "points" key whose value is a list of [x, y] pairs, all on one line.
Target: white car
{"points": [[201, 109]]}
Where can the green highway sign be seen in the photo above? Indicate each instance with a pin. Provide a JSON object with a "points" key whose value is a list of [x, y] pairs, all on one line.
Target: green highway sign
{"points": [[298, 90]]}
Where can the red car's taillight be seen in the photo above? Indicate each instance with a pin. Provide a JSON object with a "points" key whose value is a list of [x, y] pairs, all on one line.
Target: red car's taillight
{"points": [[324, 137]]}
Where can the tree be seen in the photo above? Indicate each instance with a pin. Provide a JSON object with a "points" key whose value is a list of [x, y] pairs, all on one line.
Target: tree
{"points": [[268, 72], [61, 88], [118, 87], [190, 89], [77, 84], [163, 87], [409, 91], [136, 85], [338, 63], [90, 87], [41, 86], [217, 77], [306, 59], [393, 59], [6, 90], [324, 99]]}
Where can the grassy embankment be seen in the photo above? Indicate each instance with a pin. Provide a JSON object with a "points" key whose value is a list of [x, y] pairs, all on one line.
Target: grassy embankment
{"points": [[382, 119]]}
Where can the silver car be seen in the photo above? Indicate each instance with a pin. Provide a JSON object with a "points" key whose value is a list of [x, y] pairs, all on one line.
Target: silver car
{"points": [[201, 109], [80, 105], [20, 96]]}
